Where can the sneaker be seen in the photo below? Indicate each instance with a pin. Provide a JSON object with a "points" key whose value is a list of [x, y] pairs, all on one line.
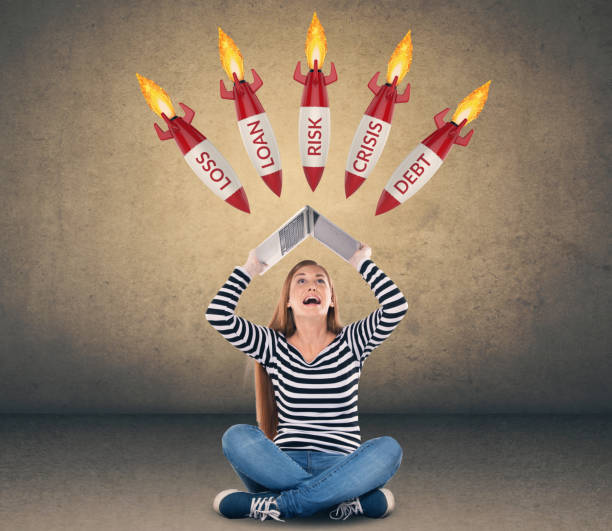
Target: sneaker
{"points": [[375, 504], [233, 503]]}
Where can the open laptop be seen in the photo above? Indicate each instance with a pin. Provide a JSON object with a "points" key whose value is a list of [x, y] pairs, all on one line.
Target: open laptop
{"points": [[306, 222]]}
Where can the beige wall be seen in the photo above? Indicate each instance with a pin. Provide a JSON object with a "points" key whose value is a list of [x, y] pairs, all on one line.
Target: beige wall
{"points": [[111, 248]]}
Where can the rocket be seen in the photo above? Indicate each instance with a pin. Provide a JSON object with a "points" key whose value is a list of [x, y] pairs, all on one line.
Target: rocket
{"points": [[424, 161], [373, 131], [253, 123], [199, 152], [314, 127]]}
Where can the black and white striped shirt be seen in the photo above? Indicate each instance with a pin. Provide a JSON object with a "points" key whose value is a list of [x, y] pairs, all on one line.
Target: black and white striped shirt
{"points": [[317, 401]]}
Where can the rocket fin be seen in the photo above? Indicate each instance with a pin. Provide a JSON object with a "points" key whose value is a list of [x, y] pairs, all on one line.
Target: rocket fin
{"points": [[225, 94], [373, 83], [333, 75], [189, 113], [439, 118], [163, 135], [297, 74], [464, 140], [405, 96], [257, 82]]}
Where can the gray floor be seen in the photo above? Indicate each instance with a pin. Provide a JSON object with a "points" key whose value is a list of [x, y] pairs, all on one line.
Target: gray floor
{"points": [[162, 472]]}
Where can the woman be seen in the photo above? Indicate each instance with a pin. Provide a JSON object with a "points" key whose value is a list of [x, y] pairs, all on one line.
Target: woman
{"points": [[309, 455]]}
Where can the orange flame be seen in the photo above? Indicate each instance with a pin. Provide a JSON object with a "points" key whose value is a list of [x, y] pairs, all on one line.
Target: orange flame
{"points": [[156, 97], [472, 104], [231, 58], [400, 61], [316, 43]]}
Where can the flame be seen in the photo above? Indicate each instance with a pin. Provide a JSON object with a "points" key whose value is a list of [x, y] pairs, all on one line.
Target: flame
{"points": [[316, 43], [156, 97], [231, 58], [471, 105], [401, 58]]}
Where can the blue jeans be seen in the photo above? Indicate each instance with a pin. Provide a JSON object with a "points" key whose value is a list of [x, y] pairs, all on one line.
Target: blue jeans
{"points": [[308, 481]]}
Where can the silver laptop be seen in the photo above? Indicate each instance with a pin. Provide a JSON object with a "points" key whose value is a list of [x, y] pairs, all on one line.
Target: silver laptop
{"points": [[306, 222]]}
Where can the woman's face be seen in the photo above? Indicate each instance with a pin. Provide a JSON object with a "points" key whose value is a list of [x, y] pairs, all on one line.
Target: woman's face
{"points": [[309, 292]]}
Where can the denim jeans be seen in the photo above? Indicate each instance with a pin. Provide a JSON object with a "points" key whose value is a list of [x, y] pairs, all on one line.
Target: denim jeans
{"points": [[308, 481]]}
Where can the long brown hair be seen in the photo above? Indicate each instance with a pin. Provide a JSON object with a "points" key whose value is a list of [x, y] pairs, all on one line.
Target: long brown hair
{"points": [[282, 321]]}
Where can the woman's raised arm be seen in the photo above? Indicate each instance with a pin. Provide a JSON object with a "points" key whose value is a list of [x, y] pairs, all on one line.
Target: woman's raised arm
{"points": [[367, 334], [254, 340]]}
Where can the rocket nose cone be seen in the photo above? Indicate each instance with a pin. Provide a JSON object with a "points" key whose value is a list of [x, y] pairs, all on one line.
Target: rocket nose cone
{"points": [[386, 202], [274, 181], [239, 200], [313, 176], [351, 183]]}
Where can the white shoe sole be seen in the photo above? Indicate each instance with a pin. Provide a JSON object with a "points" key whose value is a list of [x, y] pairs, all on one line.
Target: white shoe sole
{"points": [[219, 497], [390, 501]]}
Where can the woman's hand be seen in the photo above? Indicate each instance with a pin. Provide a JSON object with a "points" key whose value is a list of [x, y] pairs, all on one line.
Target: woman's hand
{"points": [[253, 266], [362, 253]]}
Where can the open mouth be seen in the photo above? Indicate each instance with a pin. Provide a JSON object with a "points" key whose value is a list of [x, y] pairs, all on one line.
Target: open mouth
{"points": [[311, 299]]}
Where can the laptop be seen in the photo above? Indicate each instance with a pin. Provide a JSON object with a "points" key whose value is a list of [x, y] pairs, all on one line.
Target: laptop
{"points": [[304, 223]]}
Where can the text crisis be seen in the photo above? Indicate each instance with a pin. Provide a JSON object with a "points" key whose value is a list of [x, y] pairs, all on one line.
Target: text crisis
{"points": [[366, 147]]}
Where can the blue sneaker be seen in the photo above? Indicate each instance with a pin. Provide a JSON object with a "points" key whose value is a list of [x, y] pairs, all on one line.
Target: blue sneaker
{"points": [[375, 504], [233, 503]]}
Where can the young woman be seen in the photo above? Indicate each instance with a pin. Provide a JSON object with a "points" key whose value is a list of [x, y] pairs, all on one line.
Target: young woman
{"points": [[307, 453]]}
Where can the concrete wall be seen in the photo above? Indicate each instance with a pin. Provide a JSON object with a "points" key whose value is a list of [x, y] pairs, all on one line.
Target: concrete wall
{"points": [[111, 248]]}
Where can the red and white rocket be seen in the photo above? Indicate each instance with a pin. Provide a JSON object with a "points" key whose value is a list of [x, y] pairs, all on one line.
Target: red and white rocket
{"points": [[314, 126], [253, 122], [373, 131], [203, 158], [425, 160]]}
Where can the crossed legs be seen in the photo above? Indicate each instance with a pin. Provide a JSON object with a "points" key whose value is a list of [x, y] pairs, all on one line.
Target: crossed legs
{"points": [[263, 466]]}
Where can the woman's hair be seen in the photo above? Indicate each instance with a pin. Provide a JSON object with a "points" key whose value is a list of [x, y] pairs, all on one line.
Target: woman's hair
{"points": [[282, 321]]}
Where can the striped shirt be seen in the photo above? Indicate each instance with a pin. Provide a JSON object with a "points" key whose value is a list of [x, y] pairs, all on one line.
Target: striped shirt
{"points": [[316, 401]]}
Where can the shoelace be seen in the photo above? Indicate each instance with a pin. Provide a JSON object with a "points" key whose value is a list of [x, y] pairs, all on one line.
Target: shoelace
{"points": [[260, 509], [346, 509]]}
